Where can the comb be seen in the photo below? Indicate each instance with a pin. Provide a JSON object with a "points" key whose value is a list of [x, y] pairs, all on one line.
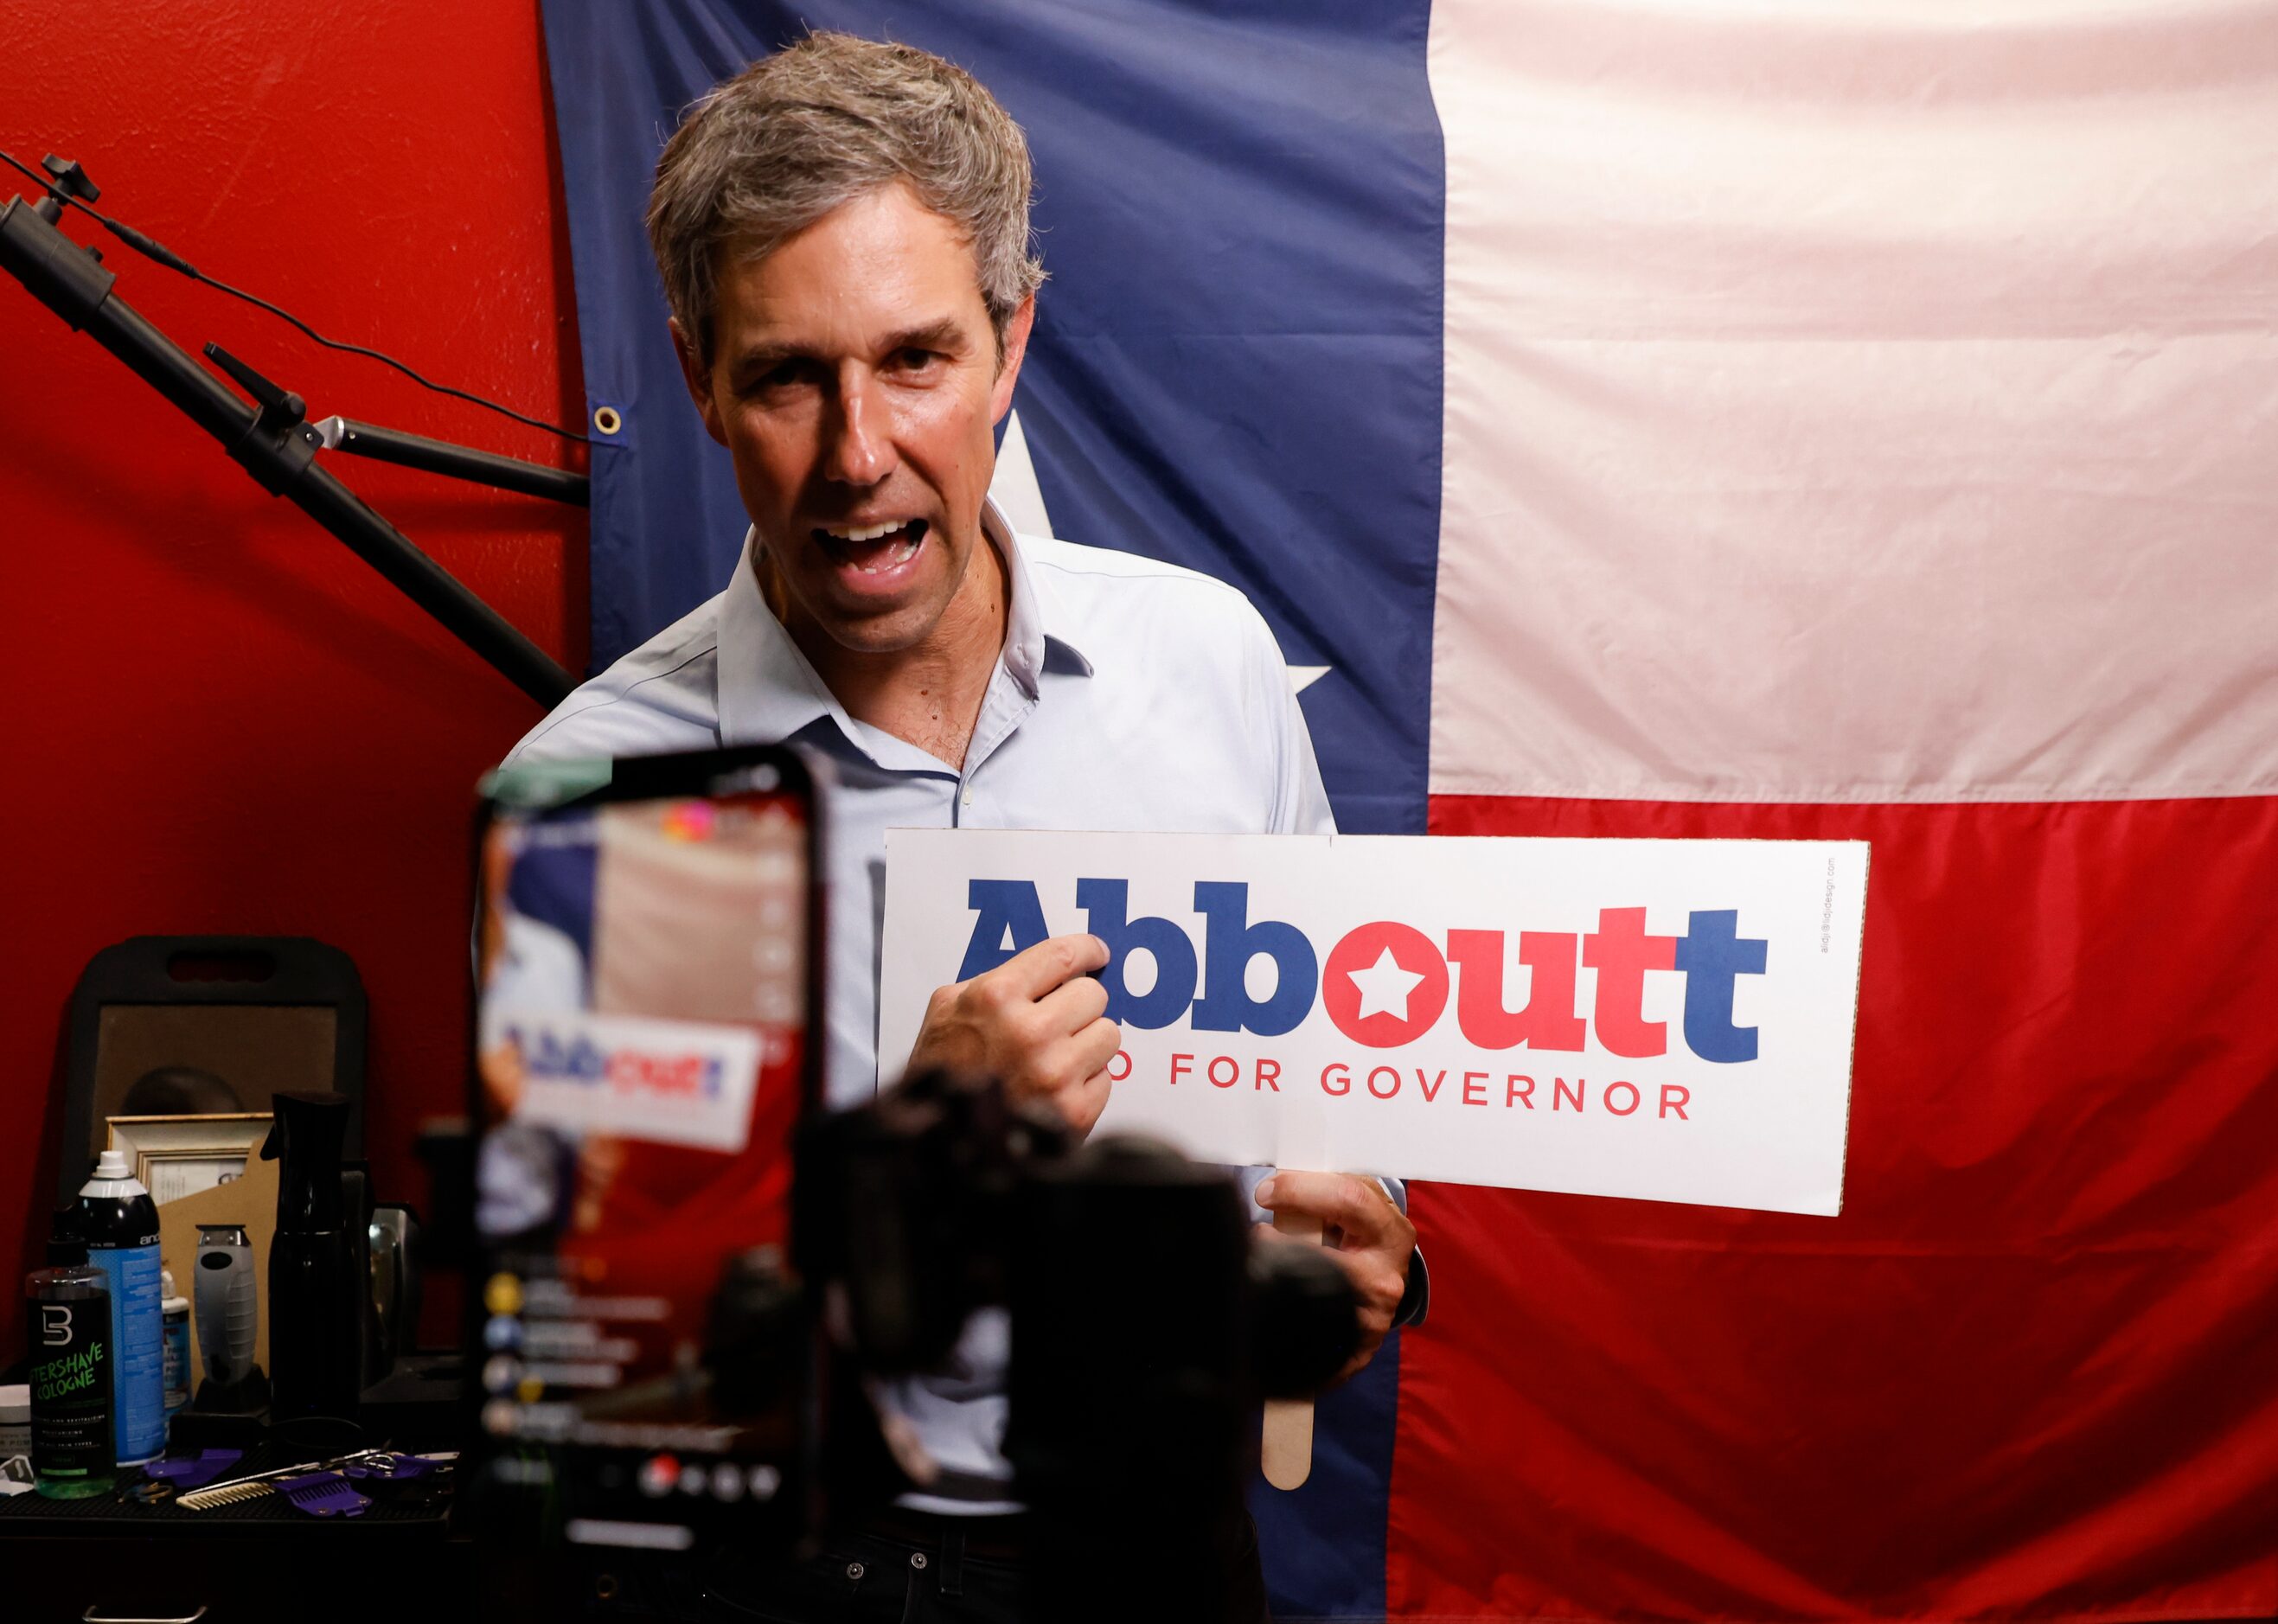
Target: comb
{"points": [[324, 1494], [224, 1494], [186, 1471], [262, 1482]]}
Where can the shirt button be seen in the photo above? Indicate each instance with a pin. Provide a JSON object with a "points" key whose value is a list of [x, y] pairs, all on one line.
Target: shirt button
{"points": [[917, 1559], [854, 1572], [969, 795]]}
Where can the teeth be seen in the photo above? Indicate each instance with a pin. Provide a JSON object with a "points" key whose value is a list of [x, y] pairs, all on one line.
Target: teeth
{"points": [[870, 533], [901, 554]]}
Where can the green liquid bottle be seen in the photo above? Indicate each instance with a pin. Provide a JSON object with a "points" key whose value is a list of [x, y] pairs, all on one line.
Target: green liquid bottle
{"points": [[73, 1449]]}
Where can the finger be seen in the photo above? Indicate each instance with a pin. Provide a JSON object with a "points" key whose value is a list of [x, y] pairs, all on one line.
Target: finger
{"points": [[1354, 1205], [1072, 1006], [1034, 971], [1376, 1286], [1097, 1044], [1070, 1061], [1358, 1215], [1081, 1103]]}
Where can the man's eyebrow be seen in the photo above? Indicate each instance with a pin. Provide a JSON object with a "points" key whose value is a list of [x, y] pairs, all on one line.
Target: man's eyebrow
{"points": [[945, 334], [763, 357]]}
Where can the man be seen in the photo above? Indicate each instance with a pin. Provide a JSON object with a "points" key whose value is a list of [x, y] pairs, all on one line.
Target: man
{"points": [[842, 234]]}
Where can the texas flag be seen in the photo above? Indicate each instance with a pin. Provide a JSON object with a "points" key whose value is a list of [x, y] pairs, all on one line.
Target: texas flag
{"points": [[1700, 418]]}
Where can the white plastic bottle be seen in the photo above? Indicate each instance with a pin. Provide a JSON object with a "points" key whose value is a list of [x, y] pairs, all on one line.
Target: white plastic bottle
{"points": [[175, 1367]]}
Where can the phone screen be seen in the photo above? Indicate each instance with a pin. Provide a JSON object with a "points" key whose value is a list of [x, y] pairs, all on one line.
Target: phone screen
{"points": [[645, 962]]}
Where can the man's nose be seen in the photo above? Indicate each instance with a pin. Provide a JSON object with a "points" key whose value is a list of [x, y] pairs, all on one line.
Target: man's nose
{"points": [[860, 444]]}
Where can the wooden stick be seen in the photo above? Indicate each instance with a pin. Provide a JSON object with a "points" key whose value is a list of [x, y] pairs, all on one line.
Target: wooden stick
{"points": [[1285, 1449]]}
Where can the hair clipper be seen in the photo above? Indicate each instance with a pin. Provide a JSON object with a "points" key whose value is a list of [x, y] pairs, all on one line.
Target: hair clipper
{"points": [[229, 1306]]}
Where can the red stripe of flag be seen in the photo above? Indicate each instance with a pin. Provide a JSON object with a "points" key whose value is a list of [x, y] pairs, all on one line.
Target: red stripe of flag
{"points": [[2031, 1369]]}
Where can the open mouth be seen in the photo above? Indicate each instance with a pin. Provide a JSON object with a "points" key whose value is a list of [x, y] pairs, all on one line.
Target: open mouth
{"points": [[871, 549]]}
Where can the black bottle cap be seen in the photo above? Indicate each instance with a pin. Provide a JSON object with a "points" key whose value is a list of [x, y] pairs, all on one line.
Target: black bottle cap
{"points": [[306, 1135]]}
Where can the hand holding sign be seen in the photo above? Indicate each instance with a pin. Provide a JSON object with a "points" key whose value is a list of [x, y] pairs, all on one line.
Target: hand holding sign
{"points": [[1369, 1239], [1034, 1022]]}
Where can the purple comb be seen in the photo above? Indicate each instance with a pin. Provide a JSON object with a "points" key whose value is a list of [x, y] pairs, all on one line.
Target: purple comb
{"points": [[323, 1494], [193, 1471]]}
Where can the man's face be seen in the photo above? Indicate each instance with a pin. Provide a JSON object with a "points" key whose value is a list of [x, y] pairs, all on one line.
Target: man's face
{"points": [[856, 379]]}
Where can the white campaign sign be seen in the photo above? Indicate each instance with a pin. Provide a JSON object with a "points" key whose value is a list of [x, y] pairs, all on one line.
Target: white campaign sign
{"points": [[1663, 1020], [670, 1082]]}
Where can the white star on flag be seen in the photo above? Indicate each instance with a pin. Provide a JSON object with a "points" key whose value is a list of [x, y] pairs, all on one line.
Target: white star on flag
{"points": [[1021, 499], [1014, 488], [1384, 986]]}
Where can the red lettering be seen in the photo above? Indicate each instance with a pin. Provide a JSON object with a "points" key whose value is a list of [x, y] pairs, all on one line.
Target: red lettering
{"points": [[1233, 1070], [1430, 1089], [1114, 1075], [1364, 949], [1672, 1098], [1343, 1084], [1607, 1099], [630, 1072], [1475, 1091], [1269, 1071], [1384, 1094], [1547, 1020], [1179, 1065], [1513, 1091], [1558, 1092], [1621, 953]]}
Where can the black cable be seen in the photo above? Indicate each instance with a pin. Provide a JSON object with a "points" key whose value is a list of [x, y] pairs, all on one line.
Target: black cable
{"points": [[150, 247]]}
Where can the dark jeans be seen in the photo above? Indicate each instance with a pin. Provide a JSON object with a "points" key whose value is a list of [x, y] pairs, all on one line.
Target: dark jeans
{"points": [[925, 1571]]}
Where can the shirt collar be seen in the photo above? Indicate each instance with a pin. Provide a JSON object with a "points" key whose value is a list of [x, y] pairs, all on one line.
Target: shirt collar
{"points": [[1037, 621], [769, 691]]}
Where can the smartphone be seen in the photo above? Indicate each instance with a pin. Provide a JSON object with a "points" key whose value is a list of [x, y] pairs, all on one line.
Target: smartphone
{"points": [[645, 1043]]}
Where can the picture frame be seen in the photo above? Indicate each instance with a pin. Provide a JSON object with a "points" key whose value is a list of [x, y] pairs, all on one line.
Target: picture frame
{"points": [[175, 1156]]}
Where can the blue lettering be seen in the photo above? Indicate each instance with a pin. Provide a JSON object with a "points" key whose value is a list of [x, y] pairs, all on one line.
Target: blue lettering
{"points": [[1230, 942], [1711, 953], [1010, 912], [1106, 903]]}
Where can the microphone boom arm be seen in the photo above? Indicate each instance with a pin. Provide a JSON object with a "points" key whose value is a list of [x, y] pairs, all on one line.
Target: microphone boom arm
{"points": [[272, 441]]}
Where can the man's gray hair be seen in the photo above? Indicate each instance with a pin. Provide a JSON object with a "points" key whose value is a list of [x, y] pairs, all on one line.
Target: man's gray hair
{"points": [[765, 154]]}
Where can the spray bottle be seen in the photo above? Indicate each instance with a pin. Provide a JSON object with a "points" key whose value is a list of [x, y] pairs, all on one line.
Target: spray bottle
{"points": [[119, 1223], [315, 1323]]}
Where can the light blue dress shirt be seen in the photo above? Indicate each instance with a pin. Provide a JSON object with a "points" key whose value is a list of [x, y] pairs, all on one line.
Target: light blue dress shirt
{"points": [[1130, 695]]}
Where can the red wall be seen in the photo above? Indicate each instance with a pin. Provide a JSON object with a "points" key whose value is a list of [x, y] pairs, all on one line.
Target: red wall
{"points": [[221, 720]]}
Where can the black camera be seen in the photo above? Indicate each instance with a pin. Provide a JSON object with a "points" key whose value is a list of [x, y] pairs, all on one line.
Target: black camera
{"points": [[1148, 1323]]}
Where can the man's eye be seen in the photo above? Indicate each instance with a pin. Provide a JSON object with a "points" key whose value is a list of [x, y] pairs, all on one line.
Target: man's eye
{"points": [[783, 375], [915, 359]]}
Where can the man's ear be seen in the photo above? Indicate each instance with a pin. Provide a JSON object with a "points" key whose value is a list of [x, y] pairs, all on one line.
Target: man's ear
{"points": [[1008, 364], [698, 376]]}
